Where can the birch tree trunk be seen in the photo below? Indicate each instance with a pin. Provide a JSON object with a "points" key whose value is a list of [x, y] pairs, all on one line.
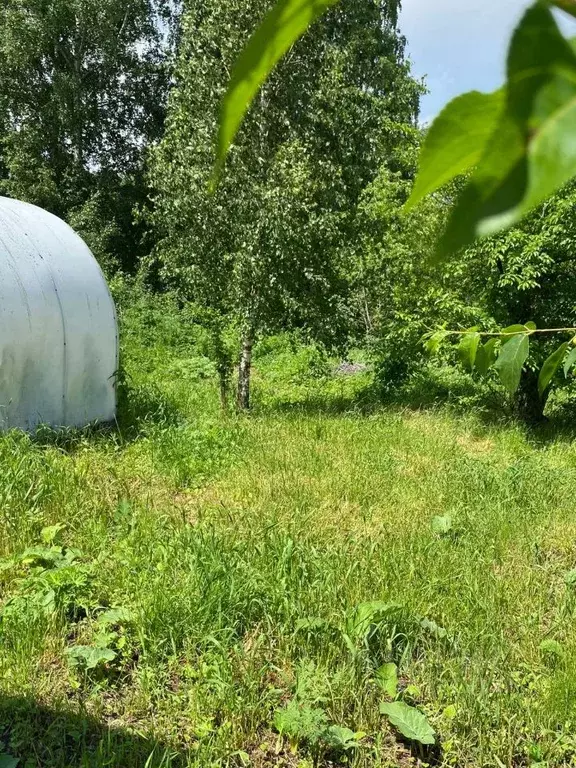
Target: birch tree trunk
{"points": [[244, 370]]}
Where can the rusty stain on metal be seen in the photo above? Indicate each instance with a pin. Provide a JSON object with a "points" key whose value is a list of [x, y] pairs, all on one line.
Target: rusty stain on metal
{"points": [[58, 331]]}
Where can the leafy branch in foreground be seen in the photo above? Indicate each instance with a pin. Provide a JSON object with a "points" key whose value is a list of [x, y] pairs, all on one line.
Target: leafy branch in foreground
{"points": [[517, 143], [519, 139], [507, 352]]}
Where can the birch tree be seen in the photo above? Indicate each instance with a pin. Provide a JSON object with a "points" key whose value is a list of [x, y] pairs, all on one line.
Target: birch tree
{"points": [[268, 249]]}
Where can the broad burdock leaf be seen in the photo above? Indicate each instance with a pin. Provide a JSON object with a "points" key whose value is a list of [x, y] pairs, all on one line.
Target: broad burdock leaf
{"points": [[115, 616], [456, 140], [511, 358], [282, 26], [387, 679], [341, 738], [366, 615], [468, 348], [433, 629], [50, 532], [551, 365], [569, 362], [486, 356], [411, 723], [88, 656]]}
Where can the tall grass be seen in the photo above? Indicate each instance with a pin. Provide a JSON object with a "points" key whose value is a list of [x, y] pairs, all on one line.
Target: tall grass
{"points": [[238, 550]]}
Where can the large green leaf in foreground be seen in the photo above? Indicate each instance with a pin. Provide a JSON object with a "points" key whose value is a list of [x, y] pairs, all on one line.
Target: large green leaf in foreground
{"points": [[510, 362], [567, 5], [282, 26], [456, 140], [551, 365], [526, 151], [570, 362]]}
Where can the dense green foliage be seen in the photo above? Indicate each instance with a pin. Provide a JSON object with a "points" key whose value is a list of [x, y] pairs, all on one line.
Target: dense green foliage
{"points": [[83, 85], [270, 249], [515, 145], [524, 275]]}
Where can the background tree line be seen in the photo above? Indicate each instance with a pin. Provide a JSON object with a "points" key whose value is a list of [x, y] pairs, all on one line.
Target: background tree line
{"points": [[108, 117]]}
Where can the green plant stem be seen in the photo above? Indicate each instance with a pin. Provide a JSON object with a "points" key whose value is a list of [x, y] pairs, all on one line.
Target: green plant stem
{"points": [[528, 331]]}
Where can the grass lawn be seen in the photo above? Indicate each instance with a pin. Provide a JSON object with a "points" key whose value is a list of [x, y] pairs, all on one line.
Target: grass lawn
{"points": [[177, 592]]}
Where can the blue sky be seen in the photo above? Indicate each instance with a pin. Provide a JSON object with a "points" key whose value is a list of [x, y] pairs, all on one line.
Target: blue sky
{"points": [[460, 45]]}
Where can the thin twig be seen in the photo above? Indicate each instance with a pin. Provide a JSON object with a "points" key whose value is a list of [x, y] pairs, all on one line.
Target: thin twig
{"points": [[527, 332]]}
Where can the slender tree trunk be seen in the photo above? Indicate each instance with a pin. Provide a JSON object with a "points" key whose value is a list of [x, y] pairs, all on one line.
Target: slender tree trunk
{"points": [[529, 404], [244, 370], [223, 365], [224, 381]]}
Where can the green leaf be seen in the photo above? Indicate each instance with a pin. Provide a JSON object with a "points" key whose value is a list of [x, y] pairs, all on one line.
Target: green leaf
{"points": [[433, 628], [486, 356], [570, 578], [48, 534], [340, 737], [450, 712], [89, 657], [387, 679], [411, 723], [456, 140], [7, 761], [115, 616], [46, 557], [281, 27], [552, 648], [513, 354], [569, 362], [433, 340], [442, 524], [551, 365], [366, 615], [310, 624], [507, 333], [468, 348], [566, 5], [244, 757], [532, 152]]}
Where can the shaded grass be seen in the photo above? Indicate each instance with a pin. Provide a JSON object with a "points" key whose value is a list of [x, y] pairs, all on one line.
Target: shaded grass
{"points": [[240, 548]]}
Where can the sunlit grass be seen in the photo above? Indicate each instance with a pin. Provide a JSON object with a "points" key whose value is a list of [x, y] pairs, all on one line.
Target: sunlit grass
{"points": [[221, 536]]}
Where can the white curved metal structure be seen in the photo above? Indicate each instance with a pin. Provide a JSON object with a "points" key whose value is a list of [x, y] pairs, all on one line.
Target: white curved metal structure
{"points": [[58, 332]]}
